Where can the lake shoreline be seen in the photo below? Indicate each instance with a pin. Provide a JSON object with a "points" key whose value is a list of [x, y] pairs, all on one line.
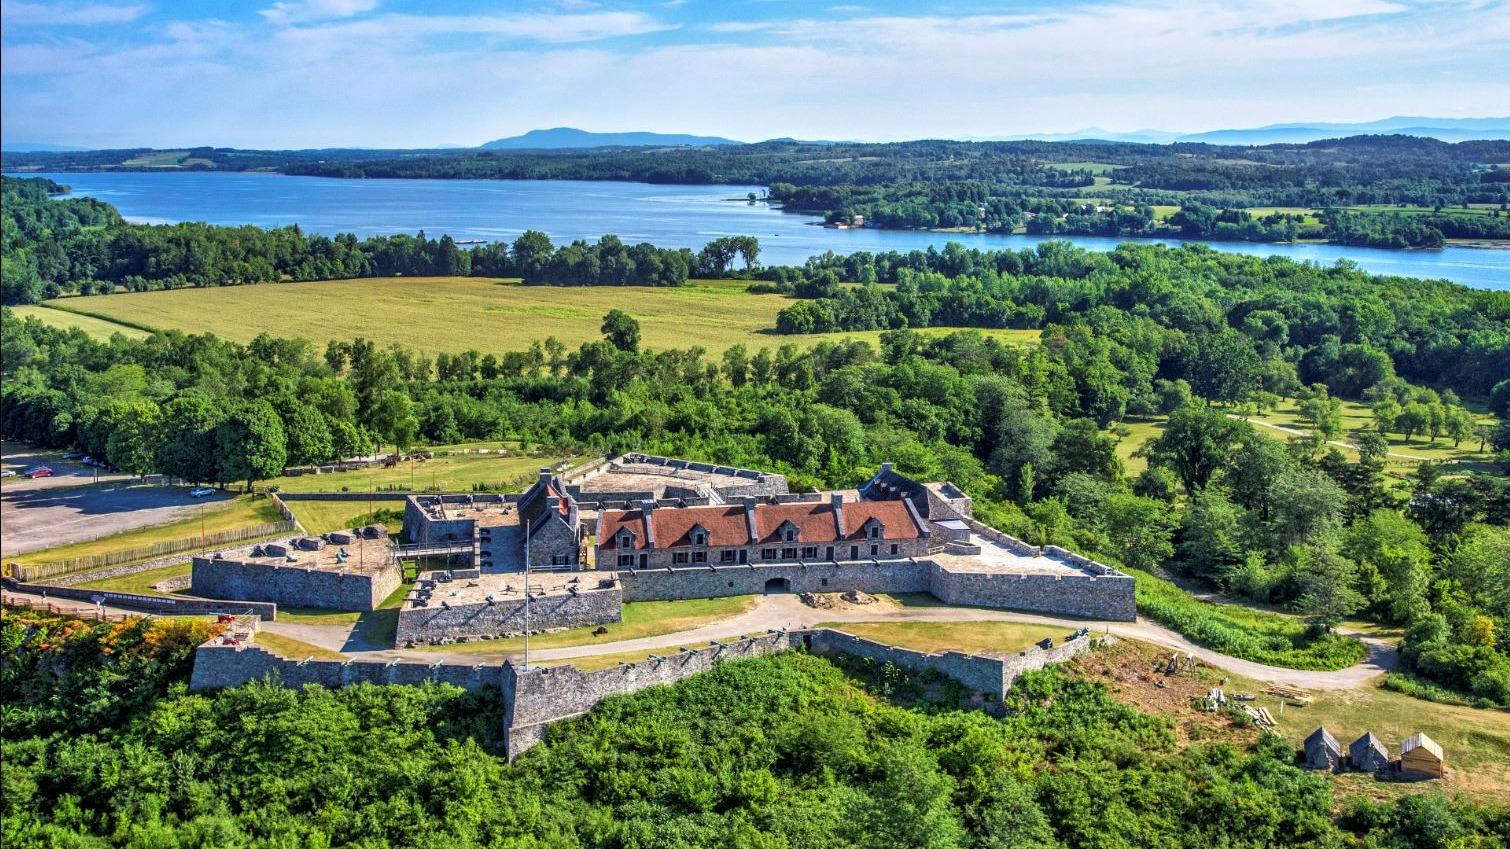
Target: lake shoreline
{"points": [[668, 216]]}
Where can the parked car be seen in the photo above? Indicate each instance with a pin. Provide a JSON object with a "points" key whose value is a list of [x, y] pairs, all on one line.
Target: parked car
{"points": [[39, 472], [201, 492], [8, 473]]}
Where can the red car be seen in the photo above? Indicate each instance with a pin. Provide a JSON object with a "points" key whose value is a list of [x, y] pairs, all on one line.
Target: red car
{"points": [[39, 472]]}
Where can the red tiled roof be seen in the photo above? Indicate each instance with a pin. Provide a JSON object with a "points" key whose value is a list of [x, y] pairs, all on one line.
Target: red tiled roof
{"points": [[726, 525]]}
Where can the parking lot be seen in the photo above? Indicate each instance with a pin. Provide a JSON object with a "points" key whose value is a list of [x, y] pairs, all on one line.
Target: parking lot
{"points": [[70, 507], [64, 472]]}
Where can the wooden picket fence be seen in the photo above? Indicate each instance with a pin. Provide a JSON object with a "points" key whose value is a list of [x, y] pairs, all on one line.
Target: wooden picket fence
{"points": [[148, 552]]}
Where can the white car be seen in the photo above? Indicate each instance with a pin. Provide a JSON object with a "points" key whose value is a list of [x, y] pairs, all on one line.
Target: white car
{"points": [[201, 492], [8, 473]]}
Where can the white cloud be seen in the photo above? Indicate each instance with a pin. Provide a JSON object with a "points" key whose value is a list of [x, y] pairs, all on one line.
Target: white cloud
{"points": [[66, 14], [298, 11], [399, 80]]}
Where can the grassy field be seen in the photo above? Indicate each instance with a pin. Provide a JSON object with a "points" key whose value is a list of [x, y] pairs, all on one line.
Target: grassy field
{"points": [[640, 619], [449, 473], [140, 582], [1000, 637], [96, 327], [453, 314], [1476, 742], [322, 517], [1097, 168], [295, 649], [239, 512], [1404, 455]]}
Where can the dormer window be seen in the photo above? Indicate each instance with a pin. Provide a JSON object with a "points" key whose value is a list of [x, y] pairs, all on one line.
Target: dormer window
{"points": [[791, 536], [700, 539], [698, 535], [875, 532], [625, 538]]}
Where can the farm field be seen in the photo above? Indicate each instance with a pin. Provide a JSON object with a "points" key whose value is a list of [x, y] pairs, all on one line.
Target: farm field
{"points": [[239, 512], [96, 327], [453, 314], [451, 473]]}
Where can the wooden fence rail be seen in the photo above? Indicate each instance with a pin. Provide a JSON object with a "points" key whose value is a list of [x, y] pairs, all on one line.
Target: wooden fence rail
{"points": [[147, 552]]}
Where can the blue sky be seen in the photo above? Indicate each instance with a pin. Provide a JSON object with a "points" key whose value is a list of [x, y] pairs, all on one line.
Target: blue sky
{"points": [[389, 73]]}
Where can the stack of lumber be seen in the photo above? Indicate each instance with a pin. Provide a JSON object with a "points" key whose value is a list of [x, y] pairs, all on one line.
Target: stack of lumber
{"points": [[1292, 695]]}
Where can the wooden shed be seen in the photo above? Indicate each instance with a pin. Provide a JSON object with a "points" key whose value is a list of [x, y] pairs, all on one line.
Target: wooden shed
{"points": [[1368, 754], [1322, 751], [1420, 756]]}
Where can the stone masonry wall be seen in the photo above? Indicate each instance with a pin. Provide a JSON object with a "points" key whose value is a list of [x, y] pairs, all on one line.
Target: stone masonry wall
{"points": [[542, 695], [293, 586], [1093, 597], [217, 666], [896, 576], [981, 674], [506, 618]]}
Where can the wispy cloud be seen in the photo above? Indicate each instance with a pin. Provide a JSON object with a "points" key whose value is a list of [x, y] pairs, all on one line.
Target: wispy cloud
{"points": [[299, 11], [70, 14]]}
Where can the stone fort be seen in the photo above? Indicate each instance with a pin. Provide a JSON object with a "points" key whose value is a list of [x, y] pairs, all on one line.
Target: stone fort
{"points": [[574, 547], [571, 550]]}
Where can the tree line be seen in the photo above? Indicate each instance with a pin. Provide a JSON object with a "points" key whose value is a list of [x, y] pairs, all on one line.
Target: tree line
{"points": [[64, 246]]}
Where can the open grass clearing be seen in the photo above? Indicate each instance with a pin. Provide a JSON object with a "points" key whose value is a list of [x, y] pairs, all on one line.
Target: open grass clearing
{"points": [[969, 637], [1476, 742], [1096, 168], [322, 517], [239, 512], [450, 473], [372, 623], [293, 649], [639, 619], [141, 582], [454, 314]]}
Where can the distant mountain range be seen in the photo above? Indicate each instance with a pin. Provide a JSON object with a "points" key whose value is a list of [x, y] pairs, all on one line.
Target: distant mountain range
{"points": [[560, 138], [1445, 129]]}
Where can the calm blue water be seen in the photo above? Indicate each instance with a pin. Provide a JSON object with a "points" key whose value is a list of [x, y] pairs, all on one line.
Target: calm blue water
{"points": [[668, 216]]}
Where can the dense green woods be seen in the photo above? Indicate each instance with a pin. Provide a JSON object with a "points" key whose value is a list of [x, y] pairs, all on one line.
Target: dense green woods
{"points": [[777, 752], [1083, 188]]}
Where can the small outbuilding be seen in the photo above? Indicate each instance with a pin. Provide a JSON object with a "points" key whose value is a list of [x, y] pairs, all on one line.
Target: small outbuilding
{"points": [[1323, 751], [1421, 757], [1368, 754]]}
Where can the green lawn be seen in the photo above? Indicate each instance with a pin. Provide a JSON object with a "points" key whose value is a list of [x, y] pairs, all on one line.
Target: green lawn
{"points": [[321, 517], [141, 582], [640, 619], [239, 512], [294, 649], [452, 314], [999, 637], [451, 473]]}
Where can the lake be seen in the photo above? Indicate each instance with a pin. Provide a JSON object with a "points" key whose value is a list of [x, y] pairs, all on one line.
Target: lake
{"points": [[668, 216]]}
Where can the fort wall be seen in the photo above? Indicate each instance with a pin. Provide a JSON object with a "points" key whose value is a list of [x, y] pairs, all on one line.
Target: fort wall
{"points": [[1091, 596], [433, 622], [712, 581], [295, 586]]}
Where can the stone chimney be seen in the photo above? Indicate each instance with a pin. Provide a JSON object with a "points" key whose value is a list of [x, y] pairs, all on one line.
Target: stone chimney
{"points": [[750, 527], [545, 476], [885, 467], [837, 500], [647, 510]]}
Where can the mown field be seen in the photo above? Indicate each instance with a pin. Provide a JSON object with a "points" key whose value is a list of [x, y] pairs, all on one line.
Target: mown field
{"points": [[96, 327], [449, 473], [453, 314]]}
